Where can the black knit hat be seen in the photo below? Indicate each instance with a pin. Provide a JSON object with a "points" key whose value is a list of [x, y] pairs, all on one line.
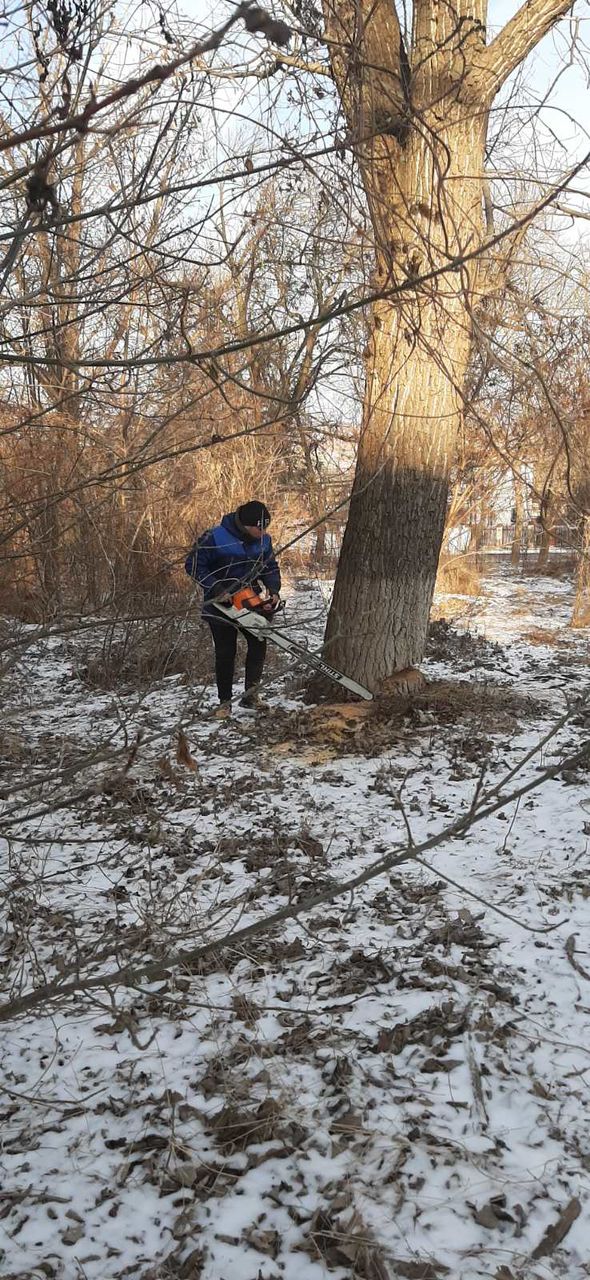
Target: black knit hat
{"points": [[254, 514]]}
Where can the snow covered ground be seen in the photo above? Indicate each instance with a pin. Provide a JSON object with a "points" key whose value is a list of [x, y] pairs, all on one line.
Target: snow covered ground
{"points": [[394, 1084]]}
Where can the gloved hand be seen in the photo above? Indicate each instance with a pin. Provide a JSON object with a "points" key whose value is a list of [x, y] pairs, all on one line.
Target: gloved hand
{"points": [[270, 605], [224, 598]]}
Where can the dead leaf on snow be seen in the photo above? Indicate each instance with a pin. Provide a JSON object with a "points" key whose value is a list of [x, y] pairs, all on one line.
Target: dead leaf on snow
{"points": [[312, 847], [359, 970], [245, 1009], [435, 1027], [267, 1242], [493, 1214], [441, 1064], [556, 1233], [235, 1130], [183, 1225], [192, 1266], [460, 932], [150, 1142], [341, 1243], [349, 1123], [183, 752], [541, 1091], [414, 1269], [186, 1174], [73, 1234], [339, 1072]]}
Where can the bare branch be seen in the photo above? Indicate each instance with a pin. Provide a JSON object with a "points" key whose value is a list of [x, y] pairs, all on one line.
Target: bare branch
{"points": [[516, 40], [148, 970], [157, 75]]}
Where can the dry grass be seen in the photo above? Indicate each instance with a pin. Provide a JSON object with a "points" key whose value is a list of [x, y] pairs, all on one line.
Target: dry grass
{"points": [[140, 653], [581, 616], [458, 575], [540, 635]]}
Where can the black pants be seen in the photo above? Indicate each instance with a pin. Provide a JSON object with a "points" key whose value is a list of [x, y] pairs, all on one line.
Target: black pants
{"points": [[225, 639]]}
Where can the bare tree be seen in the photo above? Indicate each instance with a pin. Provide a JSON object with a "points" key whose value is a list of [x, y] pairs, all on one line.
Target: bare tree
{"points": [[417, 112]]}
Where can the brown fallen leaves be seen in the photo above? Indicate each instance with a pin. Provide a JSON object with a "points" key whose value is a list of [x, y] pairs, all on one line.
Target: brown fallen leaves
{"points": [[183, 752], [342, 1240], [556, 1233]]}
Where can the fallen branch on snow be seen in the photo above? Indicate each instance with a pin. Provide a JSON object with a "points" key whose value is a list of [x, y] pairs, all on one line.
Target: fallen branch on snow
{"points": [[148, 970]]}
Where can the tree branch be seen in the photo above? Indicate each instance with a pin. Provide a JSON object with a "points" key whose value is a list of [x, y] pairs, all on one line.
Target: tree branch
{"points": [[365, 42], [146, 970], [517, 39], [371, 72], [157, 75]]}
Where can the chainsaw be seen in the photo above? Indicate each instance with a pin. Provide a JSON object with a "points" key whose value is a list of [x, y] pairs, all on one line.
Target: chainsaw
{"points": [[255, 611], [257, 602]]}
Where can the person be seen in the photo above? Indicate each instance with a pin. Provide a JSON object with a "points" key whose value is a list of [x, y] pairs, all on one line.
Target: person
{"points": [[231, 555]]}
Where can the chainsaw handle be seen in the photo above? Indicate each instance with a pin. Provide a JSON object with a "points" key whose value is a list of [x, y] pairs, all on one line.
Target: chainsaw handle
{"points": [[269, 609]]}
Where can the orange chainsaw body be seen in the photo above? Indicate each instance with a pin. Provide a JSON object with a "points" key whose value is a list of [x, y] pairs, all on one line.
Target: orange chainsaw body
{"points": [[247, 598]]}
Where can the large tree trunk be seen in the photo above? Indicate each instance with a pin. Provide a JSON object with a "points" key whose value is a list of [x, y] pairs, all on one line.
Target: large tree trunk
{"points": [[417, 120], [417, 362], [387, 568], [418, 351]]}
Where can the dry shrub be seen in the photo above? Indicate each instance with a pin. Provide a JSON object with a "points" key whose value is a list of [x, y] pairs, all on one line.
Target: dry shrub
{"points": [[559, 567], [458, 575], [79, 531], [142, 652]]}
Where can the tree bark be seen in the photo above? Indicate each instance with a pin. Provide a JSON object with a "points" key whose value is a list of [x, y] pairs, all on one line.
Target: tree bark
{"points": [[518, 523], [413, 399], [547, 514], [390, 550], [581, 613], [418, 123], [320, 544]]}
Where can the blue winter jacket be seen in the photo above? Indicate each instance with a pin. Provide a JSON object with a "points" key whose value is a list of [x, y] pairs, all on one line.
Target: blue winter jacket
{"points": [[223, 559]]}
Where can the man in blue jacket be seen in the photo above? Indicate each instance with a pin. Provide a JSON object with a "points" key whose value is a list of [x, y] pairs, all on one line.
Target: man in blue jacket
{"points": [[235, 553]]}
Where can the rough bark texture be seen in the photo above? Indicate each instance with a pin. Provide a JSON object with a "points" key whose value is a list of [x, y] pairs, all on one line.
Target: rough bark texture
{"points": [[394, 532], [417, 119]]}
